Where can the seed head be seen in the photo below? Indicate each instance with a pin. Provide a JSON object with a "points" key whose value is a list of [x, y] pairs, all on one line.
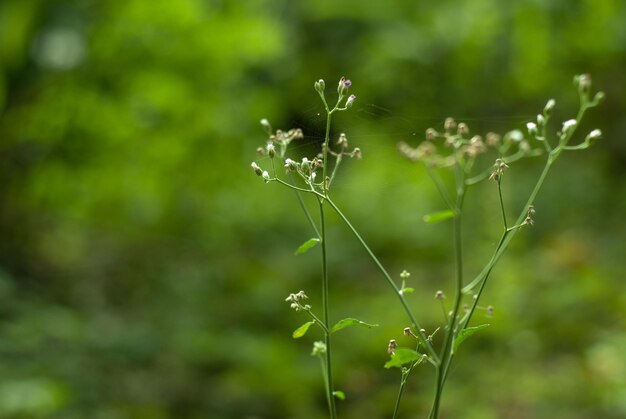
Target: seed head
{"points": [[449, 125], [391, 349]]}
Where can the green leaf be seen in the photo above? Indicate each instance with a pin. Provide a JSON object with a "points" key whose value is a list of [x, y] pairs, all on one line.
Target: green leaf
{"points": [[339, 394], [306, 246], [407, 290], [301, 331], [403, 356], [342, 324], [437, 217], [464, 334]]}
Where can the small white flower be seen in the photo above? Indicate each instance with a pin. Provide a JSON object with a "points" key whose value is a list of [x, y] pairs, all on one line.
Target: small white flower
{"points": [[265, 176], [532, 128]]}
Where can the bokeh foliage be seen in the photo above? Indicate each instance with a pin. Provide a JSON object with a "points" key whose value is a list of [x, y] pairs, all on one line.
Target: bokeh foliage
{"points": [[143, 266]]}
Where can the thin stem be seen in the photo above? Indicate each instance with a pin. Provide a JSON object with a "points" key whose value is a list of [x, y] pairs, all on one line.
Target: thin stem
{"points": [[329, 373], [325, 150], [440, 187], [407, 309], [396, 408], [499, 180], [305, 210], [446, 350], [508, 237]]}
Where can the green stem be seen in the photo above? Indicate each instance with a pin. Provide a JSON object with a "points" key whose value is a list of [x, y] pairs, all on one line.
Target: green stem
{"points": [[420, 335], [305, 210], [396, 408], [446, 350], [329, 373]]}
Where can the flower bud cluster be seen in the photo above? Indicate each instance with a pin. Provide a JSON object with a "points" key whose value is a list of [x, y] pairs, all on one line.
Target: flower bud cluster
{"points": [[295, 300], [342, 142], [319, 349], [498, 170], [529, 216], [455, 136]]}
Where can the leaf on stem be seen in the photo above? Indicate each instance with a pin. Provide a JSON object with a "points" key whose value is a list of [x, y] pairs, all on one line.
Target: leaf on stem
{"points": [[403, 356], [464, 334], [339, 394], [306, 246], [301, 331], [342, 324], [437, 217]]}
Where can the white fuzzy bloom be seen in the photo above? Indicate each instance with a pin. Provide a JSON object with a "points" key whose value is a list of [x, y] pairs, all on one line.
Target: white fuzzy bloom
{"points": [[265, 176], [532, 128]]}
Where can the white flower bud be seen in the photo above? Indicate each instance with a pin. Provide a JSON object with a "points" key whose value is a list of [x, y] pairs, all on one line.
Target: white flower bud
{"points": [[532, 128], [547, 110], [256, 169], [568, 125], [271, 151], [320, 85], [594, 135], [265, 176], [541, 120], [350, 101], [516, 135]]}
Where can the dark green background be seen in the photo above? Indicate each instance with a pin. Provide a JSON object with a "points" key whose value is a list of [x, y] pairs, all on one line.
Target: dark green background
{"points": [[143, 266]]}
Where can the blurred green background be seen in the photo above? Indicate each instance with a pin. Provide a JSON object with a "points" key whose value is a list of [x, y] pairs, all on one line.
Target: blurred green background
{"points": [[143, 266]]}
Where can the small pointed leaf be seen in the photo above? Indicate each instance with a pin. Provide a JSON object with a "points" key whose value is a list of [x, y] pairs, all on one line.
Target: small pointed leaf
{"points": [[307, 245], [342, 324], [464, 334], [403, 356], [339, 394], [407, 290], [437, 217], [301, 331]]}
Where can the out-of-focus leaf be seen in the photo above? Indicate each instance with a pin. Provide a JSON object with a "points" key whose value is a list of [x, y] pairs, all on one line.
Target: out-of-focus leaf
{"points": [[342, 324], [339, 394], [464, 334], [304, 247], [437, 217], [402, 356], [301, 331]]}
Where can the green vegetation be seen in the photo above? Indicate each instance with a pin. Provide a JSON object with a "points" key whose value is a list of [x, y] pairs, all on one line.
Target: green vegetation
{"points": [[143, 271]]}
